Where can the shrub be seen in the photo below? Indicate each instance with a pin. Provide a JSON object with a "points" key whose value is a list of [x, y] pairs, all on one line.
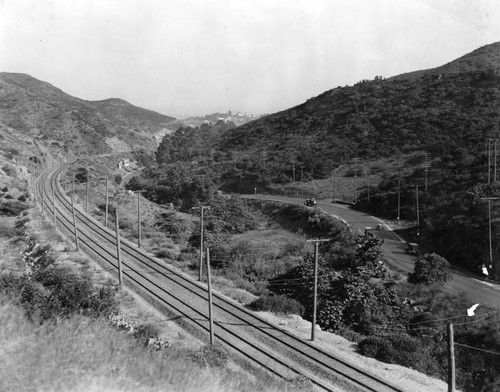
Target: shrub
{"points": [[400, 349], [57, 292], [277, 304], [12, 208], [430, 269], [9, 170], [211, 356], [125, 224], [146, 332], [300, 383], [118, 180], [37, 256]]}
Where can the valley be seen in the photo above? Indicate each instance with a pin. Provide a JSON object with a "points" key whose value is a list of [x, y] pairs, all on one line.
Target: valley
{"points": [[415, 153]]}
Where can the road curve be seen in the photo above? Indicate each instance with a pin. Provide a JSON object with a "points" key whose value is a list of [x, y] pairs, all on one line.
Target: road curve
{"points": [[259, 341], [479, 291]]}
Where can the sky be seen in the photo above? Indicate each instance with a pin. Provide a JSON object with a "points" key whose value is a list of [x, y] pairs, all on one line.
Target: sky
{"points": [[195, 57]]}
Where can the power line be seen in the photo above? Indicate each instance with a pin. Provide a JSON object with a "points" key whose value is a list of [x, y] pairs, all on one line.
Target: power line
{"points": [[477, 348]]}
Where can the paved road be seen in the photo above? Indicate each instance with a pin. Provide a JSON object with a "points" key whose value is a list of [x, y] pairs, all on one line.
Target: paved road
{"points": [[479, 291]]}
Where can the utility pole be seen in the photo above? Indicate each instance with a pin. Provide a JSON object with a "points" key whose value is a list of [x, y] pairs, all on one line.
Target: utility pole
{"points": [[495, 160], [399, 199], [88, 193], [451, 359], [369, 186], [210, 310], [107, 200], [75, 229], [139, 217], [43, 195], [302, 181], [54, 213], [418, 213], [489, 199], [335, 185], [118, 249], [201, 208], [335, 182], [355, 189], [315, 295], [33, 184], [489, 161]]}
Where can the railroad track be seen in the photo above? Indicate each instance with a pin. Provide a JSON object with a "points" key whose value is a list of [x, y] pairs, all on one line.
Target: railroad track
{"points": [[253, 338]]}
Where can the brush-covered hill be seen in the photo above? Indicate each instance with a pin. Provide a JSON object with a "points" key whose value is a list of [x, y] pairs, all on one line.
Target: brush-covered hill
{"points": [[446, 114], [40, 125], [37, 113], [455, 105]]}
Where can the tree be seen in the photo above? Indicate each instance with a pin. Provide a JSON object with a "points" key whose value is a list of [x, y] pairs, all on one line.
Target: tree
{"points": [[430, 269]]}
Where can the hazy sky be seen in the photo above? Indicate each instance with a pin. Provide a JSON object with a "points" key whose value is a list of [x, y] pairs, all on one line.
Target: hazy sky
{"points": [[185, 57]]}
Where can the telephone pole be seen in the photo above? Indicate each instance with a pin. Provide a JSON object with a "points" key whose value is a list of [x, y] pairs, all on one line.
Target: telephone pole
{"points": [[451, 359], [418, 213], [369, 186], [210, 310], [118, 249], [399, 199], [54, 213], [75, 229], [43, 195], [302, 181], [201, 208], [315, 295], [88, 192], [490, 241], [139, 217], [489, 161], [426, 167], [107, 200], [495, 160]]}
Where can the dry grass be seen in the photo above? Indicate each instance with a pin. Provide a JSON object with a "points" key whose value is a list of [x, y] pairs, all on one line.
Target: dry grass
{"points": [[80, 354], [74, 354]]}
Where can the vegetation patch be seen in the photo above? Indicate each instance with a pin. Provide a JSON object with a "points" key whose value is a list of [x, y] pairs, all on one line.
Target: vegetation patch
{"points": [[278, 304]]}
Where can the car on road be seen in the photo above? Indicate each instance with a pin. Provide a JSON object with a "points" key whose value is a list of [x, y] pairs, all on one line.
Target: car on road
{"points": [[310, 202], [412, 248]]}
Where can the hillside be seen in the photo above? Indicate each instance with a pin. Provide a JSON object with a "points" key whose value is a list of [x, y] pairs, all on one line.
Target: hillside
{"points": [[384, 131], [439, 109], [446, 114], [37, 115]]}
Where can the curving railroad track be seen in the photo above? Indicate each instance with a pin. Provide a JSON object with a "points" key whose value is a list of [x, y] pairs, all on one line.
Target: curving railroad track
{"points": [[253, 338]]}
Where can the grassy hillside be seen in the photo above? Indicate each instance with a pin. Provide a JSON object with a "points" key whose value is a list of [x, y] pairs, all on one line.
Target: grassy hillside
{"points": [[438, 119], [38, 117], [456, 105]]}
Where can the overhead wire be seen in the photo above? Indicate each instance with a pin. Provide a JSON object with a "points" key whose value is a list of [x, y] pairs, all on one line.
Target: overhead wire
{"points": [[477, 348]]}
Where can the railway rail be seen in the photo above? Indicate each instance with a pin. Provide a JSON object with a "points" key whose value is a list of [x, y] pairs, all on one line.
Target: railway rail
{"points": [[253, 338]]}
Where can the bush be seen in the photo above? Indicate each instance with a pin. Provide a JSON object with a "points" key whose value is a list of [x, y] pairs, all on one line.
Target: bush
{"points": [[125, 224], [400, 349], [12, 208], [277, 304], [166, 254], [211, 356], [68, 293], [300, 383], [430, 269], [146, 332]]}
